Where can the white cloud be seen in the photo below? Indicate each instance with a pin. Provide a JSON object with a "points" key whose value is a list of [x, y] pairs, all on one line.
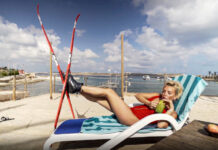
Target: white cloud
{"points": [[80, 32], [78, 55], [148, 37], [113, 49], [20, 43], [134, 59], [158, 54], [124, 32], [87, 53], [181, 37], [28, 49], [190, 21], [180, 32]]}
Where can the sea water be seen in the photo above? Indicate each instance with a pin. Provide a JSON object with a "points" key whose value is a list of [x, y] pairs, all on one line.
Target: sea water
{"points": [[134, 84]]}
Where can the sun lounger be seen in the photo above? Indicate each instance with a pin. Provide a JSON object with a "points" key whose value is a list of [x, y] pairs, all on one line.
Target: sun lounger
{"points": [[107, 127]]}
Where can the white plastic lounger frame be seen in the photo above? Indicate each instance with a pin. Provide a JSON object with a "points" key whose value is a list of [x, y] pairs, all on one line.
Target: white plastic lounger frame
{"points": [[137, 126], [119, 136]]}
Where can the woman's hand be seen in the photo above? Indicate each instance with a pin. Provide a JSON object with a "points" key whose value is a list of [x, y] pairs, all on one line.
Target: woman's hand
{"points": [[153, 104], [143, 98], [169, 105]]}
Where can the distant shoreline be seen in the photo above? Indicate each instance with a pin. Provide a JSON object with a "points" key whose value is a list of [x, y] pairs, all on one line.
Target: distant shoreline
{"points": [[132, 74], [114, 74]]}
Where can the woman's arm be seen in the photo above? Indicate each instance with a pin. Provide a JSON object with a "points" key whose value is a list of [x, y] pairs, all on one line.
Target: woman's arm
{"points": [[164, 124], [143, 98]]}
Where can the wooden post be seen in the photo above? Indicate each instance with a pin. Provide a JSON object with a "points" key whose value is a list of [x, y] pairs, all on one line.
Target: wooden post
{"points": [[25, 87], [165, 78], [85, 80], [14, 88], [50, 75], [54, 83], [126, 83], [122, 69]]}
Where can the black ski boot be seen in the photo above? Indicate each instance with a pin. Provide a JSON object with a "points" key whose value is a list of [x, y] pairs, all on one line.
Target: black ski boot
{"points": [[73, 85]]}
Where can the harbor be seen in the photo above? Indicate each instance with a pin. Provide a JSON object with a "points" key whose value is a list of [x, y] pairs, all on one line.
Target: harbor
{"points": [[39, 83]]}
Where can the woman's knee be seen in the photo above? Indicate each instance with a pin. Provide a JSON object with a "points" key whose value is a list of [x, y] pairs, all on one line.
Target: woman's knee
{"points": [[109, 91], [130, 121]]}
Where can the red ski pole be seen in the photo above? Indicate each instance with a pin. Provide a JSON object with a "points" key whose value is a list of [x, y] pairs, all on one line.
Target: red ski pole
{"points": [[55, 59], [67, 72]]}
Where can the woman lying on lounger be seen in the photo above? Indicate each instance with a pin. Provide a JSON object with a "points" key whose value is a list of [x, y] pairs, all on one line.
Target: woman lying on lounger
{"points": [[110, 100]]}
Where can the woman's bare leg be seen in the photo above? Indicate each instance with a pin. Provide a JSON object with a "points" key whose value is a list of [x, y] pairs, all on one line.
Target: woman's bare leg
{"points": [[102, 101], [117, 105]]}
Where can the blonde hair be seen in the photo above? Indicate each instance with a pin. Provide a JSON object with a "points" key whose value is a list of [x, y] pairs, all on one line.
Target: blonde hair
{"points": [[177, 86]]}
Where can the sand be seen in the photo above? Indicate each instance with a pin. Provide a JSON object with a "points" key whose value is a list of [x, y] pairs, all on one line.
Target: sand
{"points": [[33, 117]]}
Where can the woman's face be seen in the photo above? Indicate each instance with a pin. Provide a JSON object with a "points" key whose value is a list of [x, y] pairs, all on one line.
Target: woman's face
{"points": [[169, 93]]}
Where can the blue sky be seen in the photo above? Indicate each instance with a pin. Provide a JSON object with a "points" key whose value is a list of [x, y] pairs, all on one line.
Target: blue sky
{"points": [[160, 36]]}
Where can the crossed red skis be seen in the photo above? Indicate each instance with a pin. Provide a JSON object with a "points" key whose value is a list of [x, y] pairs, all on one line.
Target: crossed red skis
{"points": [[64, 81]]}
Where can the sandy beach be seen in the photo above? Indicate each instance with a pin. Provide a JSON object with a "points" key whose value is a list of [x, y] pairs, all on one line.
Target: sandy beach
{"points": [[33, 118]]}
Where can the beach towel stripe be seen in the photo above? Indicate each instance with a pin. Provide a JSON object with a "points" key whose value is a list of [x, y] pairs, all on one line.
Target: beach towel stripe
{"points": [[190, 93], [193, 86], [186, 86], [192, 98], [110, 124]]}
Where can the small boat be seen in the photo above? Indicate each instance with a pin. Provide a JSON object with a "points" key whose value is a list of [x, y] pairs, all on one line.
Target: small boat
{"points": [[168, 78], [146, 77], [77, 78], [109, 84]]}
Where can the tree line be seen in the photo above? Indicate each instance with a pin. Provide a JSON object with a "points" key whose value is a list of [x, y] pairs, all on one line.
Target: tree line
{"points": [[4, 71]]}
